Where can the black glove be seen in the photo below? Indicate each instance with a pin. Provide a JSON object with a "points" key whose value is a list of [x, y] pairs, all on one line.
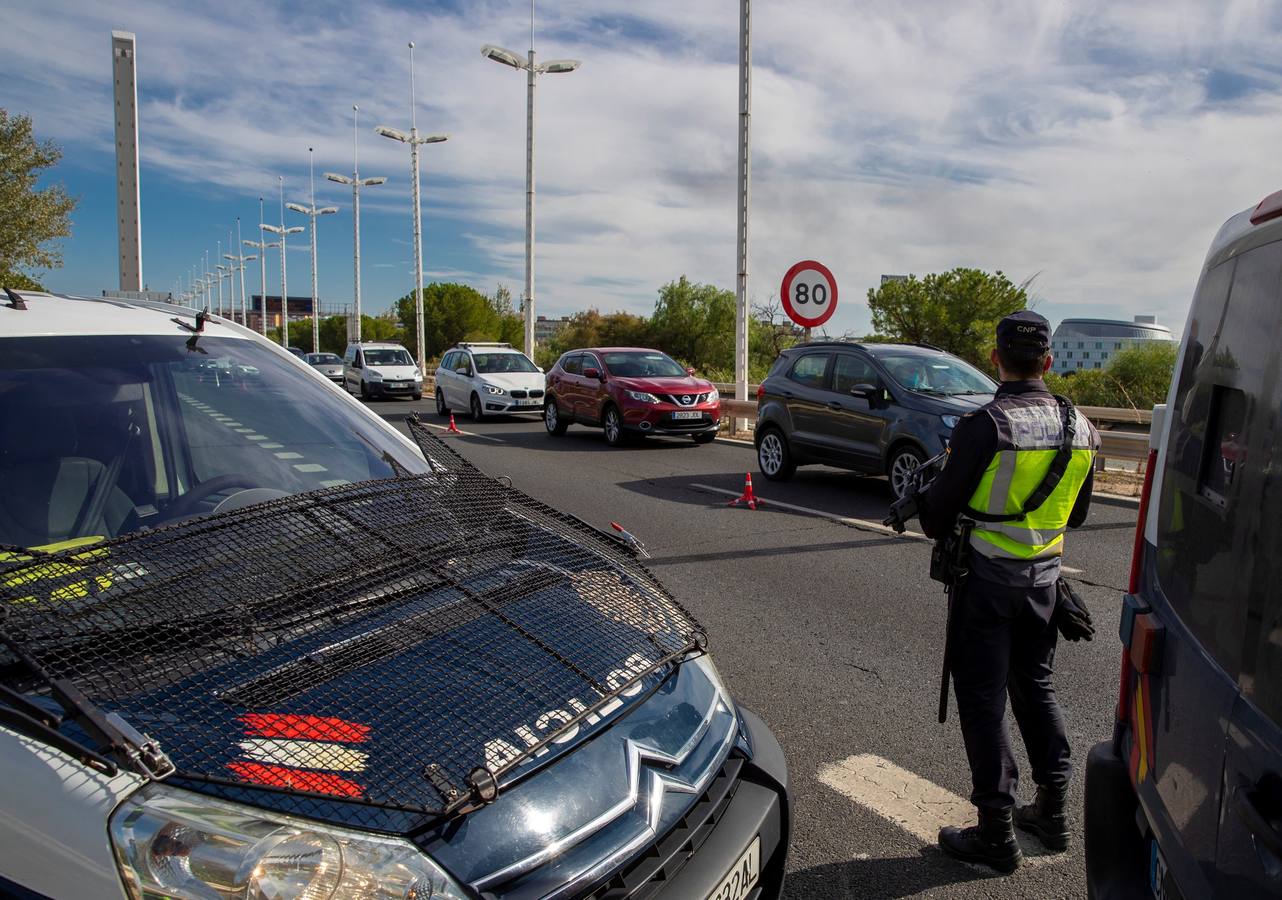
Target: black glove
{"points": [[901, 511], [1071, 616]]}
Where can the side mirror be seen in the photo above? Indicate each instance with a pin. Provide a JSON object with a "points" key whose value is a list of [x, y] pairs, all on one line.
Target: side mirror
{"points": [[540, 368], [593, 372], [464, 371], [869, 392], [689, 370]]}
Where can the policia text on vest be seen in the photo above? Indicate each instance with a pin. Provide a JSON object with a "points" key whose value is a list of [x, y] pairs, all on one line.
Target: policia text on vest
{"points": [[1020, 469]]}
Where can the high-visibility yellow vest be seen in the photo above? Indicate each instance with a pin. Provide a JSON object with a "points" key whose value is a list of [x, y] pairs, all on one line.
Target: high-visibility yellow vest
{"points": [[1029, 435]]}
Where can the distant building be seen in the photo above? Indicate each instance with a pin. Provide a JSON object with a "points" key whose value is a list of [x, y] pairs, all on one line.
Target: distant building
{"points": [[1090, 343], [151, 296], [545, 329]]}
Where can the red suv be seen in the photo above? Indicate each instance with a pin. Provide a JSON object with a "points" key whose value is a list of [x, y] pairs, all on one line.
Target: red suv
{"points": [[629, 391]]}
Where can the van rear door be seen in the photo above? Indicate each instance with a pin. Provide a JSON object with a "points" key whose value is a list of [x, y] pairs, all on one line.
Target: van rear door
{"points": [[1185, 636], [1250, 454]]}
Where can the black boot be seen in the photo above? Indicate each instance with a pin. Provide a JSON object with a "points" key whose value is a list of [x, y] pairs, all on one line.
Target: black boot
{"points": [[991, 842], [1045, 818]]}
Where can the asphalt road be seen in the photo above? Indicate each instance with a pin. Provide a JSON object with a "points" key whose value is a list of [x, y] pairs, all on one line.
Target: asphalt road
{"points": [[830, 631]]}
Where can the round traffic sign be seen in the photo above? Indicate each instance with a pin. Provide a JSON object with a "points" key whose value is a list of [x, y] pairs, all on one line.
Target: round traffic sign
{"points": [[809, 293]]}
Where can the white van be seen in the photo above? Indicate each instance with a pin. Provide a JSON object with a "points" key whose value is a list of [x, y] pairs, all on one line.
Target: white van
{"points": [[381, 369]]}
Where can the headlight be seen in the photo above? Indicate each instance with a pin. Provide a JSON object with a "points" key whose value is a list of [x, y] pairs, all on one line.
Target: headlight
{"points": [[491, 389], [642, 396], [172, 843], [714, 396], [950, 421], [371, 375]]}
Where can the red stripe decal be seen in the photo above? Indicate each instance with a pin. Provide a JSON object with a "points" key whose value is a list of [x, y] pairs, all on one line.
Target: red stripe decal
{"points": [[310, 728], [297, 779]]}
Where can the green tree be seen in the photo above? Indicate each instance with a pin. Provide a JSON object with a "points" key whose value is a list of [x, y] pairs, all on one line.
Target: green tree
{"points": [[452, 312], [695, 324], [956, 311], [32, 220], [1136, 378]]}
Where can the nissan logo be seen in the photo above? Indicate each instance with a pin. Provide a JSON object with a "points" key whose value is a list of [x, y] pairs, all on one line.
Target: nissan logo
{"points": [[687, 399]]}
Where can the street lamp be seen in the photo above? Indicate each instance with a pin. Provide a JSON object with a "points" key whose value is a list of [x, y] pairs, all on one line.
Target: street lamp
{"points": [[238, 264], [262, 247], [357, 183], [284, 233], [414, 141], [313, 213], [551, 67]]}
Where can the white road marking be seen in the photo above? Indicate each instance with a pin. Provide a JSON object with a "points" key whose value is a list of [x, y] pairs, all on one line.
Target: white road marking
{"points": [[334, 482], [288, 454], [484, 437], [271, 446], [905, 799], [865, 524], [310, 467], [255, 437], [243, 430]]}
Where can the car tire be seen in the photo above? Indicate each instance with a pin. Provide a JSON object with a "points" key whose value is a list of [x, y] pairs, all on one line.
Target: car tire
{"points": [[706, 438], [418, 396], [903, 461], [477, 412], [612, 424], [441, 409], [774, 459], [552, 419]]}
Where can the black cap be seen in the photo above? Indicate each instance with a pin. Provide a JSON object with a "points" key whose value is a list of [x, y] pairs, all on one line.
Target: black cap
{"points": [[1024, 330]]}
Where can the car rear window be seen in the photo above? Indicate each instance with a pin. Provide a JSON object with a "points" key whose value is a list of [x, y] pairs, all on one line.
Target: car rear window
{"points": [[572, 364]]}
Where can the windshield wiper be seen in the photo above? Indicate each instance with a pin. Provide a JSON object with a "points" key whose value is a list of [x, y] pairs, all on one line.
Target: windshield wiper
{"points": [[115, 740]]}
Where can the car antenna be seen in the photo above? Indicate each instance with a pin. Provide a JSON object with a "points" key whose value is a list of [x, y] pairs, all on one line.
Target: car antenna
{"points": [[196, 330], [15, 299]]}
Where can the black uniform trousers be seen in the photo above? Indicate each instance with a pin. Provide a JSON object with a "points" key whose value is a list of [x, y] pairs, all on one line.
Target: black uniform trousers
{"points": [[1004, 644]]}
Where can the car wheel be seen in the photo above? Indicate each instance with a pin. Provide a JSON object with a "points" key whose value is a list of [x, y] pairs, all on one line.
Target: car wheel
{"points": [[441, 409], [773, 456], [418, 396], [477, 412], [706, 438], [613, 423], [552, 418], [903, 462]]}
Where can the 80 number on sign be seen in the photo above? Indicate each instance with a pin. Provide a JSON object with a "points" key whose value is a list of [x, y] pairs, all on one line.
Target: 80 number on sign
{"points": [[809, 293]]}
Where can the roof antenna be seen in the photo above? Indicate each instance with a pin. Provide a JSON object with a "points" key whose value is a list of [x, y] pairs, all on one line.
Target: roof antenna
{"points": [[15, 299], [196, 330]]}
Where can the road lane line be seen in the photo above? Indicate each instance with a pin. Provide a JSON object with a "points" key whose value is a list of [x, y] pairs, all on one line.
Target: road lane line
{"points": [[864, 524], [484, 437], [310, 467], [289, 454], [905, 799]]}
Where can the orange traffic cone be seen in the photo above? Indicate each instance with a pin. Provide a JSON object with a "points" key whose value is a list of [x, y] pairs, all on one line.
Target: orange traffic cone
{"points": [[747, 497], [453, 429]]}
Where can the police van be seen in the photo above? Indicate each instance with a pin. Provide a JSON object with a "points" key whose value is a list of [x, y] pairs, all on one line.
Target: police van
{"points": [[1186, 800], [255, 642]]}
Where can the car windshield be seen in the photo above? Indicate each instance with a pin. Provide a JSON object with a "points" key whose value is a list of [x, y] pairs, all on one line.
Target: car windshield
{"points": [[497, 363], [104, 435], [937, 374], [323, 359], [388, 356], [643, 364]]}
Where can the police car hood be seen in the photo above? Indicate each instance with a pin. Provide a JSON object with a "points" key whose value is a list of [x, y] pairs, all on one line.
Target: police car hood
{"points": [[384, 654]]}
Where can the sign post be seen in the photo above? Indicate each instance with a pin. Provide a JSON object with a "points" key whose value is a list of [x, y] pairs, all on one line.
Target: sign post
{"points": [[809, 294]]}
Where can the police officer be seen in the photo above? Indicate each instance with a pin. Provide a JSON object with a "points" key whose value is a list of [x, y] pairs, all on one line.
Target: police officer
{"points": [[1003, 639]]}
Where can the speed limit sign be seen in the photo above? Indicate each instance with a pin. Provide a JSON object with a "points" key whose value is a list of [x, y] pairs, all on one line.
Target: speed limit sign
{"points": [[809, 293]]}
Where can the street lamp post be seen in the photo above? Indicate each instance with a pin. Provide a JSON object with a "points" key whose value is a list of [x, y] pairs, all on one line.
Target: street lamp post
{"points": [[414, 141], [357, 183], [238, 261], [283, 233], [262, 247], [551, 67], [314, 214]]}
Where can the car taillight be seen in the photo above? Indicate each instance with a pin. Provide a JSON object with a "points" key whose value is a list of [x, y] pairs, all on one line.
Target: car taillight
{"points": [[1137, 546], [761, 392], [1270, 208]]}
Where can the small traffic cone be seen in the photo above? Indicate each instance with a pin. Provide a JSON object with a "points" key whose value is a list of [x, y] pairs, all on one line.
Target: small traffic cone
{"points": [[747, 497], [453, 429]]}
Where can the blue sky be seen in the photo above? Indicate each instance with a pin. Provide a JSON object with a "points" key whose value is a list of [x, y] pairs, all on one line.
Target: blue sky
{"points": [[1094, 145]]}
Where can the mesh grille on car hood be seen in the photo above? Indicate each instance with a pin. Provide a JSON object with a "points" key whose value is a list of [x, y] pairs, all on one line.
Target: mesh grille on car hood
{"points": [[383, 645]]}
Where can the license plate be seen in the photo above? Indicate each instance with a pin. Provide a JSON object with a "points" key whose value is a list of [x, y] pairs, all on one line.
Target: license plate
{"points": [[1156, 871], [743, 875], [687, 414], [529, 402]]}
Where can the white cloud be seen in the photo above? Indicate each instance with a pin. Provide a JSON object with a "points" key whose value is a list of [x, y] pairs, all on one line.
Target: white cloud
{"points": [[1083, 141]]}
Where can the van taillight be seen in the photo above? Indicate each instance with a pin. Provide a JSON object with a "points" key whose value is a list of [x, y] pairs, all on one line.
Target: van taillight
{"points": [[1124, 688], [1270, 208], [1137, 547], [761, 392]]}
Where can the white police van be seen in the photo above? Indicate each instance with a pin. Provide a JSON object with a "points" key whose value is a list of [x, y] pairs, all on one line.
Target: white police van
{"points": [[254, 642]]}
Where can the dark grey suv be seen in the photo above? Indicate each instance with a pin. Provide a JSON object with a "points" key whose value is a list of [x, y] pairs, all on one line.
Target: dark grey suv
{"points": [[876, 408]]}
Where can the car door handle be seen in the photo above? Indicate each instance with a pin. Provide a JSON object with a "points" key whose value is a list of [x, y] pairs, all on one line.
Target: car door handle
{"points": [[833, 404], [1265, 832], [787, 394]]}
